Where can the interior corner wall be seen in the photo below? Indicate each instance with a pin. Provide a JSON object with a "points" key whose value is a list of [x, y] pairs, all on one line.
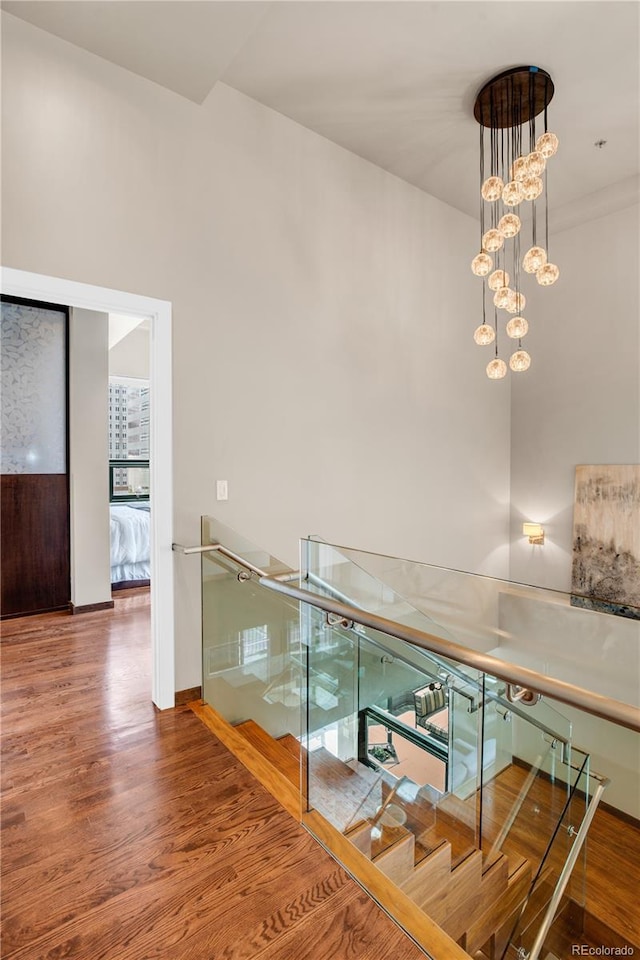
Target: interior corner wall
{"points": [[323, 310], [89, 457], [580, 400]]}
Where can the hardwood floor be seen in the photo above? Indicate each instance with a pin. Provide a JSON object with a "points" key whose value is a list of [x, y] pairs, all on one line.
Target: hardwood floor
{"points": [[130, 834]]}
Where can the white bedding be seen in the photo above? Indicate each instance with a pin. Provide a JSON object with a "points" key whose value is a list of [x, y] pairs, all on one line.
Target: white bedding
{"points": [[130, 541]]}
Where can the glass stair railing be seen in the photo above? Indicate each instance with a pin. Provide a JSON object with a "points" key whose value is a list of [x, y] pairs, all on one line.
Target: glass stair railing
{"points": [[470, 804]]}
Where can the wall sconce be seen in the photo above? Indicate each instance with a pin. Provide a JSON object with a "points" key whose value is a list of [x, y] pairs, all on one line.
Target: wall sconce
{"points": [[535, 532]]}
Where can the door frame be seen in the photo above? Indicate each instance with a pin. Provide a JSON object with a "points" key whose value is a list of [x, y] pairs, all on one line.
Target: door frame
{"points": [[70, 293]]}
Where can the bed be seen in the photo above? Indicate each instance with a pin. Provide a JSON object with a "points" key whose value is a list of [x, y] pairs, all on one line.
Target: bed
{"points": [[130, 545], [130, 523]]}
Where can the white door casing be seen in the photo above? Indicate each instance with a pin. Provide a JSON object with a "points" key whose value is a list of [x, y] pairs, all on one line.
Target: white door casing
{"points": [[33, 286]]}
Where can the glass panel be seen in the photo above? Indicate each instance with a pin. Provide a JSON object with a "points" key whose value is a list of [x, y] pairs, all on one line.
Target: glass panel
{"points": [[568, 916], [467, 800], [524, 625], [530, 626], [33, 388], [250, 641]]}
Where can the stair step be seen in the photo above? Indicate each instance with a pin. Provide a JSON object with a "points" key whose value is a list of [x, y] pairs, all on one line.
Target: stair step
{"points": [[430, 874], [457, 831], [461, 913], [271, 750], [420, 811], [462, 888], [497, 913], [339, 792], [291, 744], [396, 862], [360, 836]]}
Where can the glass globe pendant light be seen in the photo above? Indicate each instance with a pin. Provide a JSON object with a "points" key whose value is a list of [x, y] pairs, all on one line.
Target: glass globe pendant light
{"points": [[496, 369], [536, 163], [516, 302], [512, 193], [502, 296], [492, 189], [519, 168], [533, 259], [481, 265], [492, 240], [520, 361], [509, 225], [484, 334], [547, 144], [547, 274], [499, 278], [513, 169], [517, 328], [532, 187]]}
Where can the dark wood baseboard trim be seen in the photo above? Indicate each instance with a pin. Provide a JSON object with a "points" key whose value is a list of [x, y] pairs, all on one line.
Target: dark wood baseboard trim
{"points": [[186, 696], [614, 811], [130, 584], [621, 815], [91, 607], [35, 613]]}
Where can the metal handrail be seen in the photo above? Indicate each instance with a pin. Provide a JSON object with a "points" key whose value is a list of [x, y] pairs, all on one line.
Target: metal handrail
{"points": [[568, 866], [588, 701], [617, 712]]}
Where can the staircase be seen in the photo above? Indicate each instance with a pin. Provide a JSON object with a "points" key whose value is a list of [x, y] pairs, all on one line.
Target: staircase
{"points": [[430, 856]]}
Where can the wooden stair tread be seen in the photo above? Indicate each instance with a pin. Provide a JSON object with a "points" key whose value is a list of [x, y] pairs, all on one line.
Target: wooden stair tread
{"points": [[271, 749], [339, 792], [427, 875], [498, 913], [291, 744], [463, 882], [397, 861], [466, 907], [360, 836]]}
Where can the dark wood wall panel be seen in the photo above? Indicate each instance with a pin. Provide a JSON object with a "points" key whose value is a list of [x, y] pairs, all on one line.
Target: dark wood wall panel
{"points": [[35, 543]]}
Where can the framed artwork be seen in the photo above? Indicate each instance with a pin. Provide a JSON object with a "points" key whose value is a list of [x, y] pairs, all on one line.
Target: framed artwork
{"points": [[605, 573]]}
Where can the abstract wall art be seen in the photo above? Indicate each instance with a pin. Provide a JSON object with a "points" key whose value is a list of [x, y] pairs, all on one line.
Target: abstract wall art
{"points": [[605, 572]]}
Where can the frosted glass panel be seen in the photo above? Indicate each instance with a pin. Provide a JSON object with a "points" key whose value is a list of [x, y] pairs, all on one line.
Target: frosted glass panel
{"points": [[33, 381]]}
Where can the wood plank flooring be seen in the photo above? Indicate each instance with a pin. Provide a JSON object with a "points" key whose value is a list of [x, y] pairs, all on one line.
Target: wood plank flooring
{"points": [[130, 834], [612, 877]]}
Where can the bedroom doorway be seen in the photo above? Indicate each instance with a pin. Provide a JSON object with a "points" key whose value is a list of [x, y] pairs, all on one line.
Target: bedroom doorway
{"points": [[53, 290], [130, 409]]}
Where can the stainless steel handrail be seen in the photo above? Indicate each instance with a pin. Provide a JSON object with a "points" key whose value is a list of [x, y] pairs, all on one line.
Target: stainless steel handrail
{"points": [[569, 864], [250, 567], [617, 712], [588, 701]]}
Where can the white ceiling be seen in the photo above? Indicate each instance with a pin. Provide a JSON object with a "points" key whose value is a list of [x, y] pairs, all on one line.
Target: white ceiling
{"points": [[392, 81]]}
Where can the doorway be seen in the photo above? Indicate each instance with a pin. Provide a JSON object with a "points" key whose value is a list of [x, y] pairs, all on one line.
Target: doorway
{"points": [[53, 290]]}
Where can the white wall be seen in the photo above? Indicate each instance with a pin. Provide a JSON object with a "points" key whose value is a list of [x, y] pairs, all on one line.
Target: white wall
{"points": [[323, 311], [88, 457], [129, 357], [580, 400]]}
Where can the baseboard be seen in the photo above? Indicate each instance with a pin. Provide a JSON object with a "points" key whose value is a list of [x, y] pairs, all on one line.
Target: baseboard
{"points": [[130, 584], [614, 811], [90, 607], [186, 696]]}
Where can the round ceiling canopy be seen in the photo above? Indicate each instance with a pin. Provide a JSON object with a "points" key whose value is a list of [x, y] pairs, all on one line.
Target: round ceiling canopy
{"points": [[513, 97]]}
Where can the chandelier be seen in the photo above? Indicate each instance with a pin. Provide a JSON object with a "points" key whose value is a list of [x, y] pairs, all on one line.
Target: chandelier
{"points": [[513, 175]]}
